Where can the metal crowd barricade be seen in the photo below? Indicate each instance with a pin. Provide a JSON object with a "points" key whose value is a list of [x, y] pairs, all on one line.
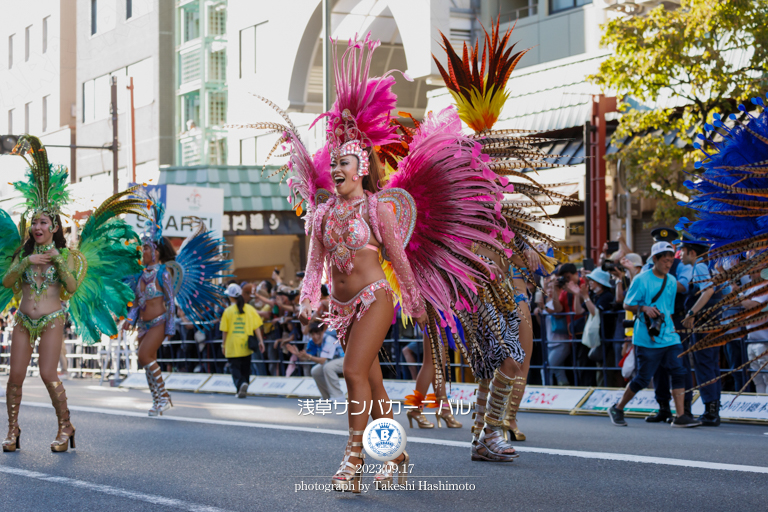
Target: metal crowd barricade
{"points": [[118, 357]]}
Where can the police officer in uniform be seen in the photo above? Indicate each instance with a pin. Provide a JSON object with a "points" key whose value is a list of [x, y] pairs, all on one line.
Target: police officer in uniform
{"points": [[700, 296]]}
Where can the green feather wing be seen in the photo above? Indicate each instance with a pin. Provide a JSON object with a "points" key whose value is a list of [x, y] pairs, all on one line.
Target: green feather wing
{"points": [[9, 242], [111, 249]]}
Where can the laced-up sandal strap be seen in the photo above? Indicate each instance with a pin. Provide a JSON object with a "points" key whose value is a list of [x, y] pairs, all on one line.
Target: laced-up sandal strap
{"points": [[491, 444], [498, 398], [516, 398]]}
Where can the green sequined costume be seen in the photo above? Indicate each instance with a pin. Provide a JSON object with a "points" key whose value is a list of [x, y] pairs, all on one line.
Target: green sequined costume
{"points": [[108, 251]]}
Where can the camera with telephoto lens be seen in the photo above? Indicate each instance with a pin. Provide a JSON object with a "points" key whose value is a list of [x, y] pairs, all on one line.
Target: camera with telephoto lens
{"points": [[610, 266], [654, 324]]}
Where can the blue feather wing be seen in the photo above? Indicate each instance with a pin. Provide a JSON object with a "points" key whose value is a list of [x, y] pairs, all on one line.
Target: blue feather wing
{"points": [[201, 260]]}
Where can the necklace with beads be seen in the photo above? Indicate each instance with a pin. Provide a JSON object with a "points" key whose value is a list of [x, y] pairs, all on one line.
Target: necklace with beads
{"points": [[40, 249]]}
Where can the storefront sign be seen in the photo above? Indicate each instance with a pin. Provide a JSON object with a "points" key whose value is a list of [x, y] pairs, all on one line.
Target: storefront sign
{"points": [[184, 206], [262, 223]]}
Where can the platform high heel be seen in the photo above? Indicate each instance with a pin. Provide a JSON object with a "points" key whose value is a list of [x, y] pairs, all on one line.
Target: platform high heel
{"points": [[12, 441], [65, 438], [445, 413], [386, 477], [349, 476]]}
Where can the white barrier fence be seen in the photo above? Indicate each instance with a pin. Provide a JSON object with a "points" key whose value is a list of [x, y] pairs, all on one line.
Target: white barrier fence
{"points": [[748, 407]]}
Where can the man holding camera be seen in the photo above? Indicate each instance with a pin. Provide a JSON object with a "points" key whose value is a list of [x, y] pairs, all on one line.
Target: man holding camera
{"points": [[651, 298]]}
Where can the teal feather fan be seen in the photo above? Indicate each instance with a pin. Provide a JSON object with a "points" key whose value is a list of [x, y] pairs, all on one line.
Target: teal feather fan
{"points": [[111, 248], [9, 242]]}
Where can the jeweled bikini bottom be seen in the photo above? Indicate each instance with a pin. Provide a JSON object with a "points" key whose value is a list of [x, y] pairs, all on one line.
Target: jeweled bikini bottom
{"points": [[145, 326], [36, 326], [342, 314]]}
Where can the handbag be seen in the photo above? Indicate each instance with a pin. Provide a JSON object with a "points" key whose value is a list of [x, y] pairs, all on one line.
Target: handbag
{"points": [[591, 336], [253, 343]]}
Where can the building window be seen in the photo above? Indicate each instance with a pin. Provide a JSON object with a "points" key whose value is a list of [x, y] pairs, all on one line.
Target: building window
{"points": [[10, 51], [562, 5], [26, 117], [248, 151], [128, 9], [143, 74], [10, 121], [137, 8], [191, 29], [27, 33], [247, 51], [97, 93], [249, 42], [45, 33], [190, 108], [94, 16], [217, 108], [45, 113]]}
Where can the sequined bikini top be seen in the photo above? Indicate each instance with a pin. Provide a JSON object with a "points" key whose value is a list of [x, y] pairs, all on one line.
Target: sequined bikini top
{"points": [[151, 289], [346, 223], [50, 275]]}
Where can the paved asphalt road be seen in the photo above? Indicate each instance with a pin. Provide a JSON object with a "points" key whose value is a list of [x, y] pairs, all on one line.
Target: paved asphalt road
{"points": [[217, 453]]}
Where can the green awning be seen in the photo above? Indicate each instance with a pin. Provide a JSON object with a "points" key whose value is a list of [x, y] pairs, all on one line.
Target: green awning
{"points": [[245, 189]]}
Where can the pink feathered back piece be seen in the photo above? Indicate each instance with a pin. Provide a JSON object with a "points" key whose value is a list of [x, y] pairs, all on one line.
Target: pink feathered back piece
{"points": [[445, 174]]}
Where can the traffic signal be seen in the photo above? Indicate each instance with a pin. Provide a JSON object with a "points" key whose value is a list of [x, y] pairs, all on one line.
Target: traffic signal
{"points": [[7, 143]]}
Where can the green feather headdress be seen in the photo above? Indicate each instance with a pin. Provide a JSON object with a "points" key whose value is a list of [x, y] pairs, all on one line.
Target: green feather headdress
{"points": [[45, 190]]}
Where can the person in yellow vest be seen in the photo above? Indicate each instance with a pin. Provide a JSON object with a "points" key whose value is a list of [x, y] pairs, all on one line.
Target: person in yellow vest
{"points": [[239, 321]]}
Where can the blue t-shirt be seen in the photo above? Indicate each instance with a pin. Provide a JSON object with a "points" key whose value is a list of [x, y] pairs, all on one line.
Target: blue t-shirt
{"points": [[643, 288]]}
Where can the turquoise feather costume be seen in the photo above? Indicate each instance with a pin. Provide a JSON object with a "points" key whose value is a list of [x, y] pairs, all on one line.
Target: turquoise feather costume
{"points": [[188, 281], [106, 252]]}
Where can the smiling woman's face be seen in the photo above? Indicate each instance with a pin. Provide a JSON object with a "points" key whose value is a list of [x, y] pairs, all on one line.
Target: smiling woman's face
{"points": [[344, 174]]}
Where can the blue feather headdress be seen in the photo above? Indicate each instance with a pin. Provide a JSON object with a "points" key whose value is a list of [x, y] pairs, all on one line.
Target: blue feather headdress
{"points": [[153, 233]]}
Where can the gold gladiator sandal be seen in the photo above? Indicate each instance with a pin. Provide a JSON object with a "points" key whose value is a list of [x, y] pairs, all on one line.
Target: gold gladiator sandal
{"points": [[479, 414], [445, 413], [349, 475], [12, 441], [491, 445], [386, 477], [161, 398], [66, 434], [518, 390]]}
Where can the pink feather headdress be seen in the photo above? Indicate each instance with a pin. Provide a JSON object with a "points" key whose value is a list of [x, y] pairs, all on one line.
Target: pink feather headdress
{"points": [[360, 116]]}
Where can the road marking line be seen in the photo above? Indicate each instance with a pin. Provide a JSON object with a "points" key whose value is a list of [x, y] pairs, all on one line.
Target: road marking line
{"points": [[621, 457], [113, 491]]}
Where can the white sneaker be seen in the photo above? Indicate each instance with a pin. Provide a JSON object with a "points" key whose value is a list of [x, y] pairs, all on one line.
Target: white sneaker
{"points": [[243, 390]]}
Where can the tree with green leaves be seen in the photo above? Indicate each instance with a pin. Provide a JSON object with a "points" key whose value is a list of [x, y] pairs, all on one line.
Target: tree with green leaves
{"points": [[688, 63]]}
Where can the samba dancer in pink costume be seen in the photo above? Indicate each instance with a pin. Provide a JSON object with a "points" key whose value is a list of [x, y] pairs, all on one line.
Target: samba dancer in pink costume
{"points": [[348, 231], [443, 199]]}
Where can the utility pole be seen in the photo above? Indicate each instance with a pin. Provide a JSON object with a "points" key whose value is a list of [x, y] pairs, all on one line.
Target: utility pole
{"points": [[133, 132], [327, 7], [113, 108]]}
